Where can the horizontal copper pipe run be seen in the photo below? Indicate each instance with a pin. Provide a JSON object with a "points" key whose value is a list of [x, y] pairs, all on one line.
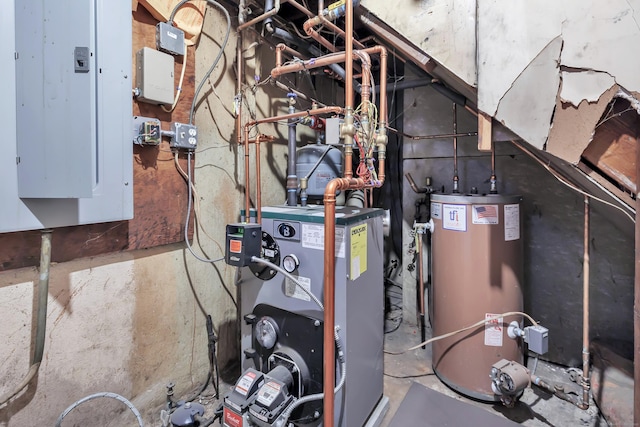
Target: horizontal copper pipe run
{"points": [[247, 141], [267, 14], [284, 117], [308, 28], [301, 8]]}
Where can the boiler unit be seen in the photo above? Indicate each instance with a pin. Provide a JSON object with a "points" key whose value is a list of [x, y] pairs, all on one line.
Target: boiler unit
{"points": [[282, 327], [477, 274]]}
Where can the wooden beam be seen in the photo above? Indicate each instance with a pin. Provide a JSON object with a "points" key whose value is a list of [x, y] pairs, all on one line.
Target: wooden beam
{"points": [[484, 132]]}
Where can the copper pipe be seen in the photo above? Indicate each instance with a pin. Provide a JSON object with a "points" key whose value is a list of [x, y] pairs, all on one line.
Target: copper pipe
{"points": [[332, 58], [329, 374], [280, 48], [308, 28], [240, 70], [258, 184], [284, 117], [493, 180], [585, 382], [455, 150], [348, 50], [247, 189], [267, 14], [301, 8]]}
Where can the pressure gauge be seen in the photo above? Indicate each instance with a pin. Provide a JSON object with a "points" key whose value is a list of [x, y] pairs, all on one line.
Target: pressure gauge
{"points": [[266, 332], [290, 263]]}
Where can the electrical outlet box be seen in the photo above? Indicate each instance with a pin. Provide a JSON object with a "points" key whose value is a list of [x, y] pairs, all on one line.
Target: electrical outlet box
{"points": [[243, 242], [146, 131], [169, 39], [185, 136], [154, 76]]}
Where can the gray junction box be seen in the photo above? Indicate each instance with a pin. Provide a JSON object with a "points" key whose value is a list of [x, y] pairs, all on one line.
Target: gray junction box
{"points": [[359, 299]]}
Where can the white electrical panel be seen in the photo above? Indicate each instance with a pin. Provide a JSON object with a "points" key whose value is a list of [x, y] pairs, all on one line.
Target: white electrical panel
{"points": [[66, 110]]}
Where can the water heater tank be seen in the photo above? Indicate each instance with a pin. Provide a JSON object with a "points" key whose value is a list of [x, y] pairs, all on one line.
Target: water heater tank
{"points": [[477, 274], [329, 167]]}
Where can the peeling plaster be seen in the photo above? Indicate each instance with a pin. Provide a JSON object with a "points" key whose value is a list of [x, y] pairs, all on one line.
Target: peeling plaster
{"points": [[604, 36], [510, 37], [443, 29], [529, 116], [585, 85]]}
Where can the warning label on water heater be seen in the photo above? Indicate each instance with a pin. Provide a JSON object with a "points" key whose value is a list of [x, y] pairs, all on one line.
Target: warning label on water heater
{"points": [[511, 222], [454, 217], [493, 330]]}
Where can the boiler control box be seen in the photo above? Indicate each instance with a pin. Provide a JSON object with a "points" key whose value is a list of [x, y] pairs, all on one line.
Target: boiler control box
{"points": [[243, 242]]}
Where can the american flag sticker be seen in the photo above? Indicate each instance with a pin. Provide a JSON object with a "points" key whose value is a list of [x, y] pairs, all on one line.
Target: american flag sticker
{"points": [[485, 214]]}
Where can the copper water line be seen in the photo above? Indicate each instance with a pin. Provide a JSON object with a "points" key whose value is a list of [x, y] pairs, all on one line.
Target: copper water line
{"points": [[258, 183], [240, 71], [247, 185], [318, 111], [265, 15], [301, 8], [308, 28], [456, 179], [280, 48], [493, 179], [585, 381]]}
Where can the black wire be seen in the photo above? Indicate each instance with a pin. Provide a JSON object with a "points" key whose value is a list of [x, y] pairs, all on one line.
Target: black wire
{"points": [[402, 377]]}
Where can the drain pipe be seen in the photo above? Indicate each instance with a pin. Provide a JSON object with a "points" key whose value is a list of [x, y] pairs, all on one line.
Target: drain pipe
{"points": [[585, 381], [292, 179], [41, 322]]}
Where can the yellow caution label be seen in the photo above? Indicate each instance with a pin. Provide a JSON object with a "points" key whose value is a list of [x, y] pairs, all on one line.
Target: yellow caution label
{"points": [[358, 250], [336, 5]]}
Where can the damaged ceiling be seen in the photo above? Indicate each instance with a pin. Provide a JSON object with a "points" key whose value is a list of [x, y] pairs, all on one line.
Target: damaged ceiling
{"points": [[549, 71]]}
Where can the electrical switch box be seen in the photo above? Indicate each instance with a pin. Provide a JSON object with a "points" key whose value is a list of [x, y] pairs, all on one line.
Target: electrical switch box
{"points": [[332, 130], [184, 136], [538, 339], [154, 76], [169, 39], [243, 242]]}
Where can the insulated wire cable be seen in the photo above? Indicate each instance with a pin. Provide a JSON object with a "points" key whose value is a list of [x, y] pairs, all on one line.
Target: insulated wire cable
{"points": [[466, 328], [179, 89], [196, 199], [570, 185], [215, 61], [288, 276], [186, 224], [96, 395]]}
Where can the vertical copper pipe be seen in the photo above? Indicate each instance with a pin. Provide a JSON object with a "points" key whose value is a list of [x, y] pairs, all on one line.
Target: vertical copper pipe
{"points": [[247, 192], [258, 184], [585, 310], [636, 295], [329, 372], [455, 150], [348, 50], [239, 91]]}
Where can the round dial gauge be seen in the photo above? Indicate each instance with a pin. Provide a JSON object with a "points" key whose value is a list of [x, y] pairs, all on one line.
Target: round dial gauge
{"points": [[290, 263], [266, 332]]}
